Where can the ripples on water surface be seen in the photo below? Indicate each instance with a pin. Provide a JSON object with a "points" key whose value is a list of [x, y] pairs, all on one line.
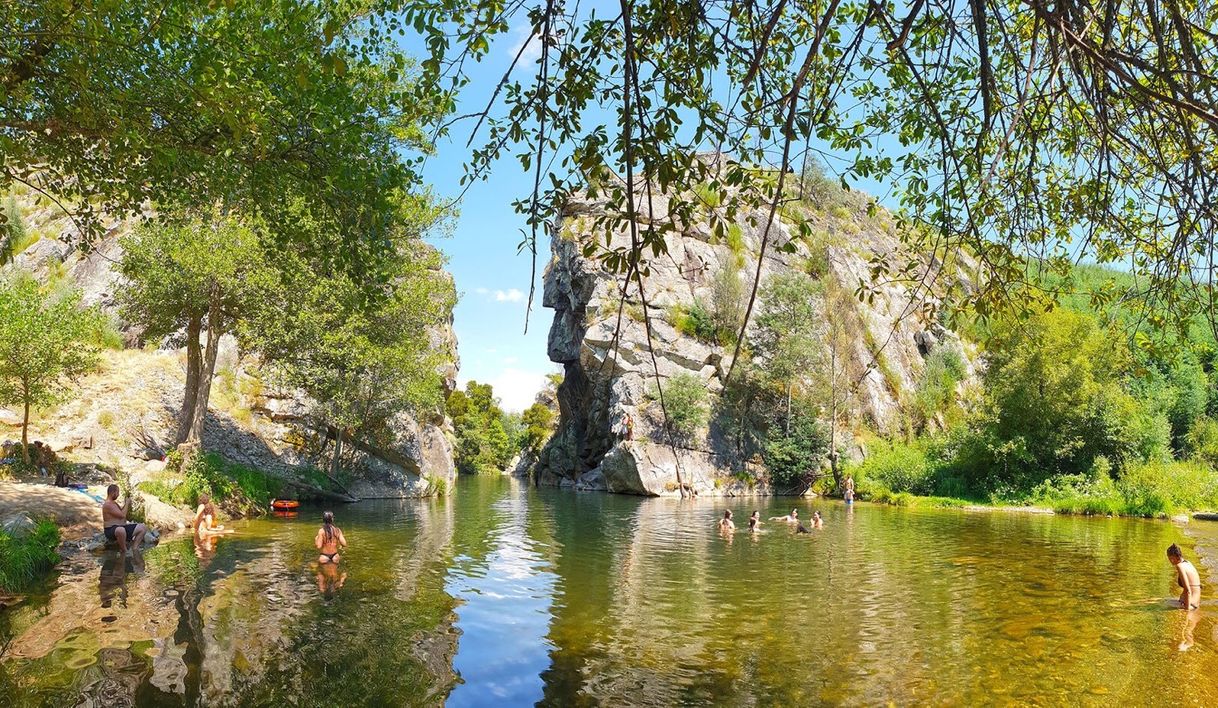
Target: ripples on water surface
{"points": [[504, 595]]}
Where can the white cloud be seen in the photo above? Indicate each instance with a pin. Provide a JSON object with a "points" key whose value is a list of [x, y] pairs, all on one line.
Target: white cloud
{"points": [[516, 388], [482, 291], [519, 36], [510, 295]]}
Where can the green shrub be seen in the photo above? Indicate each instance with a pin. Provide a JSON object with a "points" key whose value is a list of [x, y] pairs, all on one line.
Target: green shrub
{"points": [[686, 402], [24, 559], [694, 321], [793, 458], [237, 489], [1201, 443], [1153, 489], [936, 392], [1157, 488], [15, 236], [900, 467]]}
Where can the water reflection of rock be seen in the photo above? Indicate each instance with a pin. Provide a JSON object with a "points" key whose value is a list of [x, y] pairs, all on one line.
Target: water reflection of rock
{"points": [[89, 626], [113, 602], [245, 619], [419, 560]]}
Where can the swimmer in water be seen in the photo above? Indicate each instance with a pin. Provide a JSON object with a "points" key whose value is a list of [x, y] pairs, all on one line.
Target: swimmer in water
{"points": [[726, 524], [754, 522], [1186, 577], [792, 518], [329, 540], [817, 521]]}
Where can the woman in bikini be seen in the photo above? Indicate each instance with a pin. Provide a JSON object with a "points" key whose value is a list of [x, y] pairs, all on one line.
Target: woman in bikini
{"points": [[329, 540], [1187, 578]]}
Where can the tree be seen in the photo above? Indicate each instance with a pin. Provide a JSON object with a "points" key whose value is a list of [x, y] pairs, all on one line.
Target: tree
{"points": [[365, 353], [1055, 400], [483, 441], [108, 107], [199, 275], [787, 336], [45, 343], [538, 422], [687, 404]]}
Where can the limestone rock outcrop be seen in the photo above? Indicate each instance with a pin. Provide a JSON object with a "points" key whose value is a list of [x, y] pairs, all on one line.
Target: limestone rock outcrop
{"points": [[610, 434]]}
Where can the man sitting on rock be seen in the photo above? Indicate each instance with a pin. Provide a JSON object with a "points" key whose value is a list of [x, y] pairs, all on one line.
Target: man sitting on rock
{"points": [[115, 524]]}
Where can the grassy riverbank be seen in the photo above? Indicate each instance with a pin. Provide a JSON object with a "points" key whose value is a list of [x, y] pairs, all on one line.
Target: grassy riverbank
{"points": [[921, 474], [26, 556]]}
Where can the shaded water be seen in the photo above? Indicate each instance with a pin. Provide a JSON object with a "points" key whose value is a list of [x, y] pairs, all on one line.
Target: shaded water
{"points": [[506, 595]]}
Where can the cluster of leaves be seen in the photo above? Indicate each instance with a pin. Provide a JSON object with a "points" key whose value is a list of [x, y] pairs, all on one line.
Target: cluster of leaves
{"points": [[110, 107], [485, 433], [26, 557], [793, 454], [539, 422]]}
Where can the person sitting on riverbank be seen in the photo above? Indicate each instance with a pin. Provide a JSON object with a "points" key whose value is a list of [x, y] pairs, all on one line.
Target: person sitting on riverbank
{"points": [[726, 523], [1186, 577], [329, 540], [792, 518], [205, 516], [115, 524]]}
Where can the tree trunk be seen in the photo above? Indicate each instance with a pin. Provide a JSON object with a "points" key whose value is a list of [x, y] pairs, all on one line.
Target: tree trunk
{"points": [[837, 480], [788, 409], [208, 369], [338, 451], [186, 416], [25, 431]]}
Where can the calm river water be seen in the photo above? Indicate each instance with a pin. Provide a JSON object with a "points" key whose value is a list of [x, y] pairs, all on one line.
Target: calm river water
{"points": [[504, 595]]}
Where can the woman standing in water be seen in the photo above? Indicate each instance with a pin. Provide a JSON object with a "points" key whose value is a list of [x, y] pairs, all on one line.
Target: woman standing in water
{"points": [[329, 540]]}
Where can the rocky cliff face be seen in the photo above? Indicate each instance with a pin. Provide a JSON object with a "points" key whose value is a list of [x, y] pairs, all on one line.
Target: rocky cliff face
{"points": [[126, 408], [610, 430]]}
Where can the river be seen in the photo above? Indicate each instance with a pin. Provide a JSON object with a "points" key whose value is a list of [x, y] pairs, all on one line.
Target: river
{"points": [[506, 595]]}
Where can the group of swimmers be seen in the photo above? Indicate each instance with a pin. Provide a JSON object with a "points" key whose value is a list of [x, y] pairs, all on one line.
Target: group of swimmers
{"points": [[727, 525]]}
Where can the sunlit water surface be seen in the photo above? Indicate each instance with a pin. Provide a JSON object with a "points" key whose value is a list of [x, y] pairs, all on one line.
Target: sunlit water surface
{"points": [[504, 595]]}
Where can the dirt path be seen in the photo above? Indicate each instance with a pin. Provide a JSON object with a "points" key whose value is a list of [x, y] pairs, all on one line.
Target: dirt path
{"points": [[78, 515]]}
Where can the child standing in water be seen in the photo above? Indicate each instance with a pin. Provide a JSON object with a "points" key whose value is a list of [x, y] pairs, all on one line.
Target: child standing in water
{"points": [[329, 540], [1186, 577]]}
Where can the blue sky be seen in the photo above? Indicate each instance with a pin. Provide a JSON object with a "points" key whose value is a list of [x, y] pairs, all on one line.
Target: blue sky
{"points": [[492, 278]]}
